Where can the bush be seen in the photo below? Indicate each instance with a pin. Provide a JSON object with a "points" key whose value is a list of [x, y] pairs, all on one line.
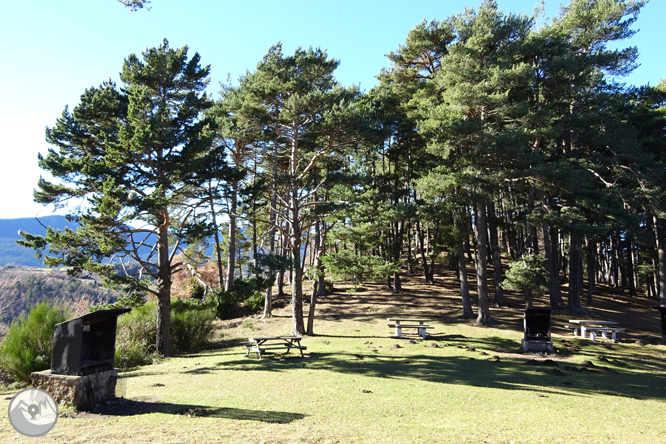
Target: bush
{"points": [[191, 327], [528, 272], [248, 291], [224, 303], [255, 301], [29, 342], [136, 335], [347, 266]]}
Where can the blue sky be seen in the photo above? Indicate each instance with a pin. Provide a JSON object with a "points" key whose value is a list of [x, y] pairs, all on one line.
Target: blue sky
{"points": [[53, 50]]}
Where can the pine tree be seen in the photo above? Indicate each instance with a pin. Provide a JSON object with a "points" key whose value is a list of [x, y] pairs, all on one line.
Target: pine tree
{"points": [[128, 158], [473, 118], [648, 115], [314, 118]]}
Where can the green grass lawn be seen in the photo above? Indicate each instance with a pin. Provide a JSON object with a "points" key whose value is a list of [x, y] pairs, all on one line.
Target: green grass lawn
{"points": [[357, 384]]}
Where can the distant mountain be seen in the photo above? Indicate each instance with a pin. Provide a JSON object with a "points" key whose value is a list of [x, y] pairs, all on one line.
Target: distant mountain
{"points": [[11, 252]]}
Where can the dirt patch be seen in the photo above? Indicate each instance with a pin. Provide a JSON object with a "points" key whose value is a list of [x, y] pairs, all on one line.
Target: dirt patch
{"points": [[442, 301]]}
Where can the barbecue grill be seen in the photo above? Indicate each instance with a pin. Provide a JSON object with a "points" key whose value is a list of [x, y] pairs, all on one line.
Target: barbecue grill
{"points": [[537, 330], [85, 345]]}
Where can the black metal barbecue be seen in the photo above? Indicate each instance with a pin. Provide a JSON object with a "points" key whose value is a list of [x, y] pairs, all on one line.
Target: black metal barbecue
{"points": [[87, 344], [537, 324], [537, 330]]}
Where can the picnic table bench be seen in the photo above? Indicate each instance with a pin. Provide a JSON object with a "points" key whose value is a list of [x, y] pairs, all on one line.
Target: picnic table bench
{"points": [[595, 327], [397, 323], [260, 345]]}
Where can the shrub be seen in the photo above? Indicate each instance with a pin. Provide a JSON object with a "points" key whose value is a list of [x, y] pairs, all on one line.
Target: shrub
{"points": [[198, 290], [223, 303], [528, 272], [329, 286], [248, 291], [136, 336], [255, 301], [29, 342], [191, 327], [347, 266]]}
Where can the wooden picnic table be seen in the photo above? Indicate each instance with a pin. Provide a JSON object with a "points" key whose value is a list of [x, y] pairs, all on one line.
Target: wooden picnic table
{"points": [[259, 345], [397, 323], [594, 326]]}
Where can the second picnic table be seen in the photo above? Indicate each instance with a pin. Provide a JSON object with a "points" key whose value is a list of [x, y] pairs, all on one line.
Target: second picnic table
{"points": [[259, 345], [594, 326], [397, 323]]}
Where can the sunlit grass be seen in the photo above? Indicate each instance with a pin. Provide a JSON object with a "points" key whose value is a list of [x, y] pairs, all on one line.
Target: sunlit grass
{"points": [[358, 384]]}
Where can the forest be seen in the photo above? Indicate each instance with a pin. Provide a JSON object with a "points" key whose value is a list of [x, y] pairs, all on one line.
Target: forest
{"points": [[491, 138]]}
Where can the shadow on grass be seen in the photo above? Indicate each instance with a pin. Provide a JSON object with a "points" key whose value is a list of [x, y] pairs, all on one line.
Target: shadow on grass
{"points": [[131, 407], [267, 416], [611, 376], [214, 348]]}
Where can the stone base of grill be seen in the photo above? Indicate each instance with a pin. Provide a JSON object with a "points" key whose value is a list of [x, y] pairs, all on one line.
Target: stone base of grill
{"points": [[79, 391], [537, 346]]}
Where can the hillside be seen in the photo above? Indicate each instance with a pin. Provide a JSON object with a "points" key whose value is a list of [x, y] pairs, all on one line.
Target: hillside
{"points": [[11, 252], [22, 287]]}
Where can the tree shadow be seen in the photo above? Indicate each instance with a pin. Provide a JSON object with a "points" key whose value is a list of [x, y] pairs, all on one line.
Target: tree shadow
{"points": [[478, 367], [132, 407]]}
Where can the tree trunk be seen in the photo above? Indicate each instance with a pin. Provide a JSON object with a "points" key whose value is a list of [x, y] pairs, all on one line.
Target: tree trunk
{"points": [[462, 273], [297, 283], [163, 284], [591, 269], [254, 217], [311, 311], [295, 238], [316, 282], [397, 246], [660, 229], [630, 269], [531, 244], [280, 278], [483, 317], [427, 271], [562, 258], [655, 276], [624, 282], [575, 272], [321, 251], [397, 283], [603, 263], [497, 259], [280, 283], [218, 250], [231, 244], [512, 239], [554, 290], [614, 263], [410, 269], [268, 300]]}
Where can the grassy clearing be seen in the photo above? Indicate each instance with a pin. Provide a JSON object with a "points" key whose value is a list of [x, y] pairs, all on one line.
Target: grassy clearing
{"points": [[358, 384]]}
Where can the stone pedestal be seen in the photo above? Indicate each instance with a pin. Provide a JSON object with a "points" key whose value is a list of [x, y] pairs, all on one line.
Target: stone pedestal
{"points": [[78, 391], [537, 346]]}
